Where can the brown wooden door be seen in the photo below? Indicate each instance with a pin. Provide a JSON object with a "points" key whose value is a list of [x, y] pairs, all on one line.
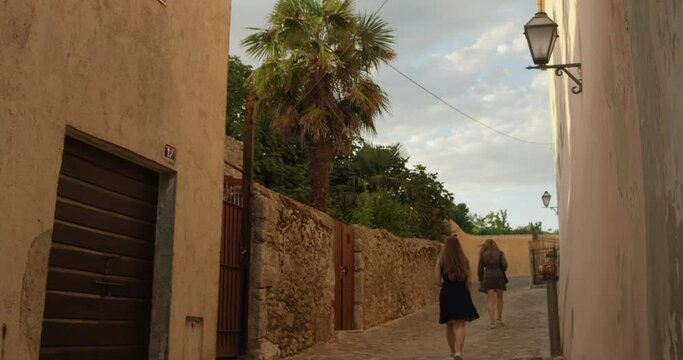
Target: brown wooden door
{"points": [[230, 280], [99, 283], [344, 273]]}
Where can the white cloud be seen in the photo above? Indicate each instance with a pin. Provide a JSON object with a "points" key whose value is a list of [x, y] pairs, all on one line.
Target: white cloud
{"points": [[540, 81], [473, 55], [497, 43]]}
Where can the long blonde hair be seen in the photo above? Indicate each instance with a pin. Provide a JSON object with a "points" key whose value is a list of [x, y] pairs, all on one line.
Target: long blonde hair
{"points": [[455, 263]]}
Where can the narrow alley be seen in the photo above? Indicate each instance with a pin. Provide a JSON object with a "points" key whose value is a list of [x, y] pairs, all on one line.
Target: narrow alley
{"points": [[417, 336]]}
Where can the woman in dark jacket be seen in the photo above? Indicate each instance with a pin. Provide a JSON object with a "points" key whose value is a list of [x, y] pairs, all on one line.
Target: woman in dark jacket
{"points": [[492, 279]]}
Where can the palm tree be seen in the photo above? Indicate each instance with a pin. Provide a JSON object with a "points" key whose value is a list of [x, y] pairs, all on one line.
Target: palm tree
{"points": [[317, 60]]}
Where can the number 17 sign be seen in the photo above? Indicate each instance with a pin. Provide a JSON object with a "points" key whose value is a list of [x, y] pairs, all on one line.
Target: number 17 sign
{"points": [[169, 153]]}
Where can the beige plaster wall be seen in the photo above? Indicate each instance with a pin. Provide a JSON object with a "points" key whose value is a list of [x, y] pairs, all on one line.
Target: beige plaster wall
{"points": [[600, 179], [394, 276], [515, 247], [135, 74], [292, 278], [655, 29]]}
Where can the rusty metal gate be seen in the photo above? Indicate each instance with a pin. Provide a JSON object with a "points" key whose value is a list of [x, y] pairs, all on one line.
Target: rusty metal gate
{"points": [[344, 288], [99, 282], [231, 275], [539, 260]]}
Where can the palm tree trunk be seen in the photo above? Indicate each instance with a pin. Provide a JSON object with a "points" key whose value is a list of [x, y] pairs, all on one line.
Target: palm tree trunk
{"points": [[320, 157]]}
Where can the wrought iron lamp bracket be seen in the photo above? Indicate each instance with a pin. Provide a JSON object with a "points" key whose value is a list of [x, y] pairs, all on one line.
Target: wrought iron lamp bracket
{"points": [[562, 69]]}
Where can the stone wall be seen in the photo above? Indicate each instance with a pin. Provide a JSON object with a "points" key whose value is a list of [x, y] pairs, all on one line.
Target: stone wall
{"points": [[394, 276], [292, 278], [232, 151]]}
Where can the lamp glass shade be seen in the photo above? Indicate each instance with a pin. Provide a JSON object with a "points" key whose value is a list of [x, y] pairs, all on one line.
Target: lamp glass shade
{"points": [[541, 34], [546, 199]]}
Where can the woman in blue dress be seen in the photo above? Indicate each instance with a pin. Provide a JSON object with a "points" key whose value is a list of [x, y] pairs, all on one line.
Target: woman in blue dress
{"points": [[452, 273]]}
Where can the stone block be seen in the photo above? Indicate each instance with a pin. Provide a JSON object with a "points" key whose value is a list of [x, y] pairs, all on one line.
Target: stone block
{"points": [[262, 230], [358, 316], [265, 209], [264, 350], [289, 320], [259, 294], [358, 288], [358, 243], [358, 261], [324, 326], [264, 267], [258, 319]]}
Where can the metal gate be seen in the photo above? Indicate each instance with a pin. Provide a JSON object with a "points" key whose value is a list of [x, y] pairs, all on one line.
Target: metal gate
{"points": [[231, 275], [99, 282], [539, 259], [344, 265]]}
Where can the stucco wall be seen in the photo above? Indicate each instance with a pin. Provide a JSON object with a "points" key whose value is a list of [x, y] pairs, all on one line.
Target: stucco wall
{"points": [[515, 247], [292, 278], [134, 74], [611, 176], [394, 276], [655, 29]]}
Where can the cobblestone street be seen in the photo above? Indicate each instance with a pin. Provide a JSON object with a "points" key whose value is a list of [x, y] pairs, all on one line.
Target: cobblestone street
{"points": [[418, 336]]}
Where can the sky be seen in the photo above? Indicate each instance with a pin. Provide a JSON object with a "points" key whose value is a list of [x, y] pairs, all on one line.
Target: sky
{"points": [[471, 54]]}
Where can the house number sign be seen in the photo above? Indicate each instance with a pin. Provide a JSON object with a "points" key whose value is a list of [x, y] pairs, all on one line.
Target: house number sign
{"points": [[169, 153]]}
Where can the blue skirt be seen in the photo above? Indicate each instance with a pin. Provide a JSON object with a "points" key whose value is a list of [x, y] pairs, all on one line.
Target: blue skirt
{"points": [[455, 302]]}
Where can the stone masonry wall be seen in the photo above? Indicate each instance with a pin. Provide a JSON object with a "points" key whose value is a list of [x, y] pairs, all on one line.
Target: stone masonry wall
{"points": [[292, 276], [233, 155], [292, 279], [394, 276]]}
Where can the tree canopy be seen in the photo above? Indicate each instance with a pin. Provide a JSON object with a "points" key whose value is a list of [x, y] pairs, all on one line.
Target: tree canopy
{"points": [[317, 59], [371, 185]]}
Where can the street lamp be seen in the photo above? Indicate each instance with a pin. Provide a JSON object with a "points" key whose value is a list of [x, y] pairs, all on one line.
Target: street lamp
{"points": [[546, 201], [541, 34]]}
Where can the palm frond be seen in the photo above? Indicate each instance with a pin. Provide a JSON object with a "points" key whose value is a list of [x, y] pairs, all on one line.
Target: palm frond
{"points": [[317, 57]]}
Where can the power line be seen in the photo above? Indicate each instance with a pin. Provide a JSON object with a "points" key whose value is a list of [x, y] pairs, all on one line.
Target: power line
{"points": [[380, 7], [451, 105], [435, 96], [462, 112]]}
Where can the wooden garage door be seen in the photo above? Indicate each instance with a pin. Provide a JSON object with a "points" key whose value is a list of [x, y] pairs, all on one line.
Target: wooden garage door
{"points": [[99, 283]]}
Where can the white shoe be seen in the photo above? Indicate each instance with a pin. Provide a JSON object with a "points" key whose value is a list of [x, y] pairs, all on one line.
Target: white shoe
{"points": [[500, 323], [457, 356]]}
